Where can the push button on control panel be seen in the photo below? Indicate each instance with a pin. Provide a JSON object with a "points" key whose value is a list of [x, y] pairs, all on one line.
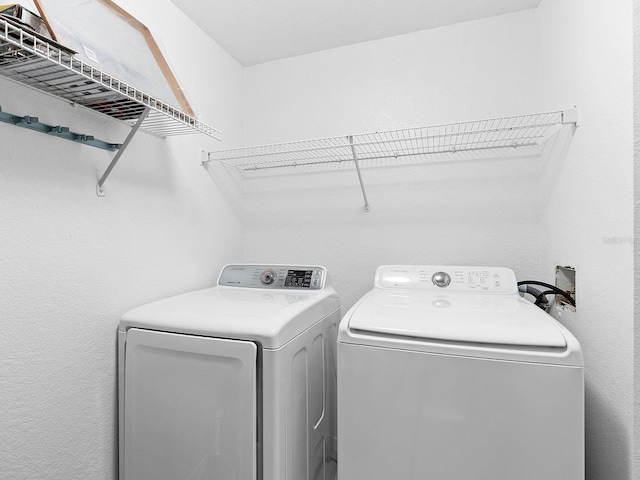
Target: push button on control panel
{"points": [[441, 279]]}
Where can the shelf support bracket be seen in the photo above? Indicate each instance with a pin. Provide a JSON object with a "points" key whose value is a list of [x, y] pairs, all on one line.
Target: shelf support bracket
{"points": [[571, 115], [355, 160], [134, 130]]}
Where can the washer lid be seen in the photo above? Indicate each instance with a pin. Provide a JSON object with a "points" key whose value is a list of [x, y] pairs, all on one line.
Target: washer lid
{"points": [[269, 317], [459, 318]]}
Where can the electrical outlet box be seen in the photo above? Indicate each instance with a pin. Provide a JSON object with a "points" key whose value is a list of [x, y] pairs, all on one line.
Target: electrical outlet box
{"points": [[566, 281]]}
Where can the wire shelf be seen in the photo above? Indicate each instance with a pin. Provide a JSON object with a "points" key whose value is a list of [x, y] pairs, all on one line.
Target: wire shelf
{"points": [[516, 132], [33, 61]]}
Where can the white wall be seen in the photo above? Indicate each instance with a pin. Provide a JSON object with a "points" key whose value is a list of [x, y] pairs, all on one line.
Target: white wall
{"points": [[467, 212], [530, 216], [586, 60], [636, 182], [72, 263]]}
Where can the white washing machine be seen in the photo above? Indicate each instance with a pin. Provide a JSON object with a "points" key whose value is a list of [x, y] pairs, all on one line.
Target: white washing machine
{"points": [[446, 373], [235, 382]]}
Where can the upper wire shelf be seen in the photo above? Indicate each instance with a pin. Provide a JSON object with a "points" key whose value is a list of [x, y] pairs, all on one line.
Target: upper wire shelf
{"points": [[522, 131], [35, 62]]}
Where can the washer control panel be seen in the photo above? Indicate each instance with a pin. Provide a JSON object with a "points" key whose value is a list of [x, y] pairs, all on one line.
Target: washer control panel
{"points": [[273, 276], [438, 278]]}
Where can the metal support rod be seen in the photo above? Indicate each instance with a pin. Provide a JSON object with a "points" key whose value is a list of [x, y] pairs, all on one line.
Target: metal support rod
{"points": [[134, 130], [355, 160]]}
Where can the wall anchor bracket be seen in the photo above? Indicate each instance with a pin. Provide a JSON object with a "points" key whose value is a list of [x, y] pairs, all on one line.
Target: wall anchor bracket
{"points": [[33, 123], [134, 130]]}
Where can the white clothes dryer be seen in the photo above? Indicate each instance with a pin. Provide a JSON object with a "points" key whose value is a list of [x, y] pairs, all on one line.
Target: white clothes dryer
{"points": [[232, 382], [447, 373]]}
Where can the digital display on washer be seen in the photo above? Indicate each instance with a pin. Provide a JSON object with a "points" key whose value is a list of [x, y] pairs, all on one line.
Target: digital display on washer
{"points": [[298, 278]]}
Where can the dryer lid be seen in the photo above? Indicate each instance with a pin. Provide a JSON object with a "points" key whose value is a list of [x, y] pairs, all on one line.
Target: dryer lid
{"points": [[460, 318]]}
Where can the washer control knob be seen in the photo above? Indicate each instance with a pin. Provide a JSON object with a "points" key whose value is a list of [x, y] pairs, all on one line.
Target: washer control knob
{"points": [[441, 279], [268, 277]]}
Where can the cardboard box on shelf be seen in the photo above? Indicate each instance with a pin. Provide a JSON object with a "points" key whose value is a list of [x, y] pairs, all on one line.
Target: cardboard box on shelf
{"points": [[25, 18]]}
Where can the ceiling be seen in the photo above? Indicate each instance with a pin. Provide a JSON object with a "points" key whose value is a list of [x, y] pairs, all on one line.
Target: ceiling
{"points": [[258, 31]]}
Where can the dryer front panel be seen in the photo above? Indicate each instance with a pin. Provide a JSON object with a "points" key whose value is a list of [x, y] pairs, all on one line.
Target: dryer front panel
{"points": [[189, 408]]}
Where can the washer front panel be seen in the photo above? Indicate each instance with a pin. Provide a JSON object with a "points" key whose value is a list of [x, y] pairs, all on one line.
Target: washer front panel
{"points": [[294, 277], [416, 416]]}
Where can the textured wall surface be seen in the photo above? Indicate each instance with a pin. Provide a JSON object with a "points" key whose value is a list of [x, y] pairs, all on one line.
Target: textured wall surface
{"points": [[586, 60], [72, 263], [636, 182]]}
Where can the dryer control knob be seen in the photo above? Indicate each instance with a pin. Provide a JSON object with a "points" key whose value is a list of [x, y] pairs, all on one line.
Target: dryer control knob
{"points": [[441, 279], [268, 277]]}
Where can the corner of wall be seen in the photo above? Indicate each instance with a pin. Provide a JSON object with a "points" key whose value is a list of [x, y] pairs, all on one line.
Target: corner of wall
{"points": [[636, 183]]}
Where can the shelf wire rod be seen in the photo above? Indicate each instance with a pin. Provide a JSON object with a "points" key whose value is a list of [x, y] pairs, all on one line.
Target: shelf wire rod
{"points": [[449, 135], [52, 77], [481, 133], [286, 161], [501, 133], [355, 160], [240, 153], [494, 132], [251, 167], [523, 130], [438, 150]]}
